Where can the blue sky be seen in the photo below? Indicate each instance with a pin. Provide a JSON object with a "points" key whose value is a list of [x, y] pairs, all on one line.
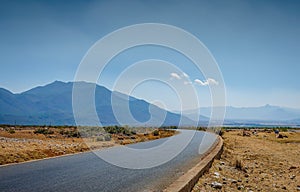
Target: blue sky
{"points": [[255, 43]]}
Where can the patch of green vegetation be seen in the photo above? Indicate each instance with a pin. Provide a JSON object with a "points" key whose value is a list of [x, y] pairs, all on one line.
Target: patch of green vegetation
{"points": [[71, 133], [105, 132], [11, 131], [119, 130], [281, 129], [169, 127], [201, 128], [44, 131], [155, 133]]}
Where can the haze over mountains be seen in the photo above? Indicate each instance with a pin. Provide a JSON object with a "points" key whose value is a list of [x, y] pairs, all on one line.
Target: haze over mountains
{"points": [[264, 113], [52, 104], [254, 116]]}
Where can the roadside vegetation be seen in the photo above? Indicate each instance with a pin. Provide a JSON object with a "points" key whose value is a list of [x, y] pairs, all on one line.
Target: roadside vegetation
{"points": [[24, 143]]}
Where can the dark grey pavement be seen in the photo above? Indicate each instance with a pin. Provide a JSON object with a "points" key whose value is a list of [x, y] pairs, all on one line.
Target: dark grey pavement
{"points": [[88, 172]]}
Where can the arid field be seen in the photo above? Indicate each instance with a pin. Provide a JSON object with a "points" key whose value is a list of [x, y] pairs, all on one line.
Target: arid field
{"points": [[255, 161], [24, 143], [252, 160]]}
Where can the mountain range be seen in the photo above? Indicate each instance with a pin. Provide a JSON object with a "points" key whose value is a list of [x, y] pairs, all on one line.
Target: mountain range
{"points": [[52, 104], [262, 115]]}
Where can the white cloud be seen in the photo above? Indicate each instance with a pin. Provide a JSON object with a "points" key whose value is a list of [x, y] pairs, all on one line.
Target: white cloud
{"points": [[187, 82], [207, 82], [186, 79], [212, 81], [185, 75], [199, 82], [175, 76], [178, 76]]}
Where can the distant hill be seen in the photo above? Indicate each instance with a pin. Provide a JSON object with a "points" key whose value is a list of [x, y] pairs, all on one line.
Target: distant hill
{"points": [[295, 121], [52, 104], [263, 113]]}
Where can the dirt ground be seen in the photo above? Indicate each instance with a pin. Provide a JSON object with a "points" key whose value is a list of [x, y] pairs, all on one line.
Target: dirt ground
{"points": [[24, 144], [255, 161]]}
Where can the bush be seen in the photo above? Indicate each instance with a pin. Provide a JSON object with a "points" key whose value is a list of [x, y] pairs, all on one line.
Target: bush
{"points": [[103, 138], [201, 128], [62, 132], [169, 127], [283, 129], [74, 133], [43, 131], [221, 132], [100, 138], [156, 133], [118, 130], [11, 131], [133, 132], [107, 138], [238, 164]]}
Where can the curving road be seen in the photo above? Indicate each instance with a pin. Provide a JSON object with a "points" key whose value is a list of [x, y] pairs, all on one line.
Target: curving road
{"points": [[88, 172]]}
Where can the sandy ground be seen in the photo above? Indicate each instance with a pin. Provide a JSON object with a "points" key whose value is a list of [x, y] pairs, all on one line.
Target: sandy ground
{"points": [[257, 161]]}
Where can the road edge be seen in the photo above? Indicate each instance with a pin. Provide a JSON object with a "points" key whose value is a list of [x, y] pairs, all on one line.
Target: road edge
{"points": [[76, 153], [186, 182]]}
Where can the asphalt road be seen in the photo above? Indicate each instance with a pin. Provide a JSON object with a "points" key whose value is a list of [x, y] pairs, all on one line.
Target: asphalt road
{"points": [[88, 172]]}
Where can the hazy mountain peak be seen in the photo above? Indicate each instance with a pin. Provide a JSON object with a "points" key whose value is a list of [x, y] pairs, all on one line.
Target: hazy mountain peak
{"points": [[5, 91], [270, 106], [52, 104]]}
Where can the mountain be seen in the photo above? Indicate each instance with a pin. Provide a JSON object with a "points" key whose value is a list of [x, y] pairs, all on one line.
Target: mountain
{"points": [[193, 114], [262, 113], [295, 122], [52, 104]]}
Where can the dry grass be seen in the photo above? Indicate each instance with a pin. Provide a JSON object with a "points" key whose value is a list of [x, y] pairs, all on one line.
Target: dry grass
{"points": [[141, 137], [258, 162], [24, 144]]}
